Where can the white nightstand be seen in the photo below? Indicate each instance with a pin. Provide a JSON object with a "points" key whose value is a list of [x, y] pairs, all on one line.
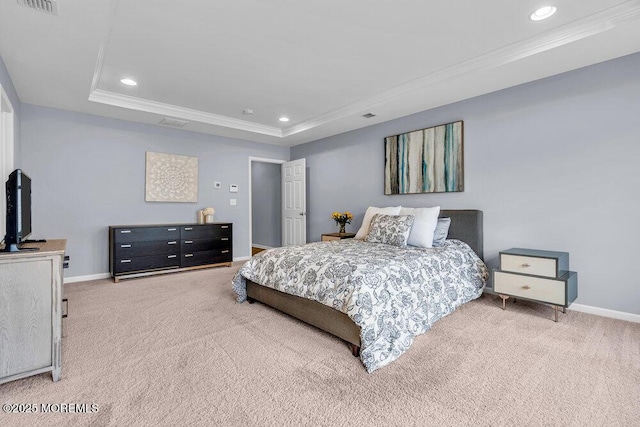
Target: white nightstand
{"points": [[536, 275]]}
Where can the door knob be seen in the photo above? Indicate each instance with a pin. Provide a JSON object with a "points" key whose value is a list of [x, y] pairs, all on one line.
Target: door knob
{"points": [[301, 214]]}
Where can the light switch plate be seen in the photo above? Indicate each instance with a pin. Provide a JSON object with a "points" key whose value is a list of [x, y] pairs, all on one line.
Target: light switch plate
{"points": [[232, 202], [233, 188]]}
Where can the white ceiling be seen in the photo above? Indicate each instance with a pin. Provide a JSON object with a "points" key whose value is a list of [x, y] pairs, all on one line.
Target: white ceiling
{"points": [[323, 64]]}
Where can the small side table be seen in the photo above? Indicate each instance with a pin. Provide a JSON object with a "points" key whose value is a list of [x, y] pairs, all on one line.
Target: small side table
{"points": [[327, 237]]}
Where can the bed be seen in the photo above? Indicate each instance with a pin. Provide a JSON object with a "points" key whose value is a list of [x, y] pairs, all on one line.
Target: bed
{"points": [[379, 297]]}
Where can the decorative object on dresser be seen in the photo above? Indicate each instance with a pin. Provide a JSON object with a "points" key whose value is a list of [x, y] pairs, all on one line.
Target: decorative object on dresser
{"points": [[425, 161], [143, 250], [327, 237], [171, 178], [31, 311], [536, 275]]}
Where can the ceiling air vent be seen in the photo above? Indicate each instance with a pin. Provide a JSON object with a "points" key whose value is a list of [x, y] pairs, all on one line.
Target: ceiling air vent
{"points": [[176, 123], [368, 115], [46, 6]]}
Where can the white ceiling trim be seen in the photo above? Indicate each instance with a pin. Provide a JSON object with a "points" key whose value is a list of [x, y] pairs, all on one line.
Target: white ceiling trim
{"points": [[574, 31], [569, 33], [146, 105]]}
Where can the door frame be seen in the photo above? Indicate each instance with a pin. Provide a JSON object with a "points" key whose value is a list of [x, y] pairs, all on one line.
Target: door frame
{"points": [[260, 160], [7, 150]]}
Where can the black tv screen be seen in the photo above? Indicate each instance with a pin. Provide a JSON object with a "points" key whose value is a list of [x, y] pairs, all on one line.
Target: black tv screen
{"points": [[18, 189]]}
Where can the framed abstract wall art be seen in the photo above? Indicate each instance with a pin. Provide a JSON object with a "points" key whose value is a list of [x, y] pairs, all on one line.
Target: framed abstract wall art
{"points": [[171, 178], [425, 161]]}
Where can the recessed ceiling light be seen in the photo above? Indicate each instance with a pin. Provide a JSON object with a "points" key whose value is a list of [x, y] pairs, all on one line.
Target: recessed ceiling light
{"points": [[129, 82], [284, 119], [543, 13]]}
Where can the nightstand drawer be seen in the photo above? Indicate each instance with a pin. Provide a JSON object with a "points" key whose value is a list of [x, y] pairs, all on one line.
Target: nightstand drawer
{"points": [[326, 238], [528, 265], [541, 289]]}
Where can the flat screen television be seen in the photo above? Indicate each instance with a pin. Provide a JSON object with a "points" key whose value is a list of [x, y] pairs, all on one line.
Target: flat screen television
{"points": [[18, 193]]}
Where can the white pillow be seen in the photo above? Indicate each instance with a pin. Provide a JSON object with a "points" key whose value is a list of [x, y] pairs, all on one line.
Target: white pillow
{"points": [[371, 211], [424, 225]]}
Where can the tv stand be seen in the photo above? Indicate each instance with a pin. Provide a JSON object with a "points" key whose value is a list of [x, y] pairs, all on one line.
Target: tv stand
{"points": [[14, 247]]}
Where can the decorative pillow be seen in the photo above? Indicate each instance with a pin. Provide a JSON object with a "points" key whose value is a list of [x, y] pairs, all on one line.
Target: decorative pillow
{"points": [[441, 232], [423, 226], [390, 229], [371, 211]]}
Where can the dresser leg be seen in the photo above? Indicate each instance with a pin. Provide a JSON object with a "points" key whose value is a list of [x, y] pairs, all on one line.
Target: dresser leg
{"points": [[564, 309], [555, 308]]}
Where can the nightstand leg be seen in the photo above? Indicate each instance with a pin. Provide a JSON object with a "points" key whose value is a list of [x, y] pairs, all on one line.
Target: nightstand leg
{"points": [[555, 307], [504, 301], [564, 309]]}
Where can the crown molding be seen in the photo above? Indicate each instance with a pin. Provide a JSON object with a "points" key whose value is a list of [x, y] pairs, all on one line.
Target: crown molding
{"points": [[577, 30], [568, 33], [154, 107]]}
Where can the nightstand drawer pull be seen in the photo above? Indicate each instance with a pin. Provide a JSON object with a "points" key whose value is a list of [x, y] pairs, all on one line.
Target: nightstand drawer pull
{"points": [[224, 226], [224, 239], [188, 255], [173, 242], [188, 242], [125, 261], [526, 287], [171, 256], [125, 246], [188, 228], [125, 231], [525, 265], [171, 229], [224, 252]]}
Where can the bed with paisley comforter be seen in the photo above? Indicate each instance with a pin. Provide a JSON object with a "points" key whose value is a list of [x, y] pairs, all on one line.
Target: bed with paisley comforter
{"points": [[377, 297]]}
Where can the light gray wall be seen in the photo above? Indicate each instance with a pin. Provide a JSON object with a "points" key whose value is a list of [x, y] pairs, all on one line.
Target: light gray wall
{"points": [[266, 202], [9, 89], [553, 164], [88, 172]]}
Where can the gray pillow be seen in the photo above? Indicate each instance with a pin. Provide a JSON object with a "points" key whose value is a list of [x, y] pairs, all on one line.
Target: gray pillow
{"points": [[390, 229], [441, 232]]}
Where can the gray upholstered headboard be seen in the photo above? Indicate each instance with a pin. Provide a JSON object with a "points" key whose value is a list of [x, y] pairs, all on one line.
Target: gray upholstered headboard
{"points": [[466, 225]]}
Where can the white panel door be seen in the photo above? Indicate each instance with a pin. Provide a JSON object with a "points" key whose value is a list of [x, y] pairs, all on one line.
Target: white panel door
{"points": [[294, 202]]}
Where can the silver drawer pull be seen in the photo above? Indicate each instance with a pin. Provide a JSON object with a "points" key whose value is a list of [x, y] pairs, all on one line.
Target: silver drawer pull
{"points": [[525, 265], [123, 261], [171, 229], [125, 246], [172, 242], [188, 255], [224, 226], [125, 231], [188, 228], [225, 238], [171, 256], [224, 252], [188, 242], [526, 287]]}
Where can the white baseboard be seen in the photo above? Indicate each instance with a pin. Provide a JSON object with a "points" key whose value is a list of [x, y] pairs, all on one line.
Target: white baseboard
{"points": [[86, 278], [242, 258], [621, 315]]}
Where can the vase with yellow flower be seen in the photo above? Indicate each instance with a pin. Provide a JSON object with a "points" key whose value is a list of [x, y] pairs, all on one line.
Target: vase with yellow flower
{"points": [[342, 219]]}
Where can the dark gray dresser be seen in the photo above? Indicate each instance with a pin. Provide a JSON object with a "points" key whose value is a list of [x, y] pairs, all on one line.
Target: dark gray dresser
{"points": [[536, 275], [142, 250]]}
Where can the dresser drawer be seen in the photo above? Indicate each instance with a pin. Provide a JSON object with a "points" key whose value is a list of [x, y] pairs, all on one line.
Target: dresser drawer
{"points": [[541, 289], [146, 234], [205, 231], [142, 263], [190, 259], [195, 245], [134, 249]]}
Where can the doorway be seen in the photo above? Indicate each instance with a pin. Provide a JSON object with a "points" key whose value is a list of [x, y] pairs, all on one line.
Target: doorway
{"points": [[265, 204], [6, 152]]}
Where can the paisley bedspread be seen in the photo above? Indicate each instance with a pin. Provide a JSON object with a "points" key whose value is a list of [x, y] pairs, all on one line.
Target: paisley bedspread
{"points": [[391, 293]]}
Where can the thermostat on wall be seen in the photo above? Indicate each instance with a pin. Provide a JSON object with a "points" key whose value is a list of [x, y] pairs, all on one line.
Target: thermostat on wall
{"points": [[217, 184], [233, 188]]}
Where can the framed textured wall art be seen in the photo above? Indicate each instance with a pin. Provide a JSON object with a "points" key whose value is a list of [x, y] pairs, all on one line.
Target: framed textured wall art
{"points": [[425, 161], [171, 178]]}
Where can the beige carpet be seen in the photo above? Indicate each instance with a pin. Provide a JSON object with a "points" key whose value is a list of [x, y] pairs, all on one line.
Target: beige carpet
{"points": [[177, 350]]}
